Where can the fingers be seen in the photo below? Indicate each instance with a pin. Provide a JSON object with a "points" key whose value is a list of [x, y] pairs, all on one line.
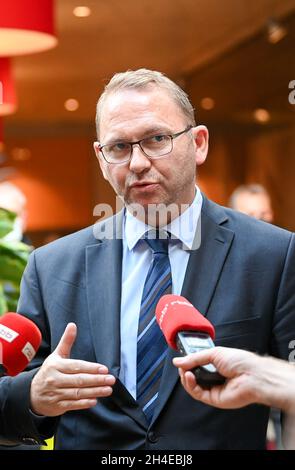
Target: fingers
{"points": [[187, 379], [192, 388], [61, 380], [63, 384], [77, 366], [78, 394], [76, 405], [54, 392], [196, 359], [67, 340], [72, 366]]}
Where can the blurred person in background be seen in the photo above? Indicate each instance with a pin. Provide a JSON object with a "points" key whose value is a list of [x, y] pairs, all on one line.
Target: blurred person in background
{"points": [[50, 237], [253, 200], [14, 200]]}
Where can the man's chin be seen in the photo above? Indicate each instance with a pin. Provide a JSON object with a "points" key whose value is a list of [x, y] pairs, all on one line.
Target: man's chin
{"points": [[147, 205], [145, 200], [153, 213]]}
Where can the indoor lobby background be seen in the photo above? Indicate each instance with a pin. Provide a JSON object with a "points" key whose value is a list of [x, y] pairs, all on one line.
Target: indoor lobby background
{"points": [[235, 59]]}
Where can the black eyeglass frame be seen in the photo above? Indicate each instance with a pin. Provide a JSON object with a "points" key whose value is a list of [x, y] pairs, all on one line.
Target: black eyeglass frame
{"points": [[138, 142]]}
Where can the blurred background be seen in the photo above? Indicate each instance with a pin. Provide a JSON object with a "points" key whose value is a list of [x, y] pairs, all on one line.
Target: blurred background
{"points": [[235, 59]]}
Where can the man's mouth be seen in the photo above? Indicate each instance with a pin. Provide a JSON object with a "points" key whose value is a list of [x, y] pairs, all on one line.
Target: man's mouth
{"points": [[143, 184]]}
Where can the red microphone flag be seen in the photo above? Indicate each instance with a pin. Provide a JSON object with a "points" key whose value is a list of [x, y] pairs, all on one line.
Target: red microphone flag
{"points": [[19, 340], [174, 314]]}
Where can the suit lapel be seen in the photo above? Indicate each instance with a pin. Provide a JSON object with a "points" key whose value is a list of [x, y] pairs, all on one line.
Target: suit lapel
{"points": [[202, 274], [205, 264], [103, 281]]}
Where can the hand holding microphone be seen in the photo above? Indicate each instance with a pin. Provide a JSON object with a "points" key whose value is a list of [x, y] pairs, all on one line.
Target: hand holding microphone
{"points": [[63, 384], [187, 331], [250, 379]]}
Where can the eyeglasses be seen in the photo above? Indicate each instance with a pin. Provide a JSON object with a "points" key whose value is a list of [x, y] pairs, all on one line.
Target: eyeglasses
{"points": [[153, 147]]}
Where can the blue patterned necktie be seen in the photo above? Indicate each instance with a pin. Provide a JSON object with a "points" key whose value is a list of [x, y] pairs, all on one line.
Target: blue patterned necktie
{"points": [[151, 344]]}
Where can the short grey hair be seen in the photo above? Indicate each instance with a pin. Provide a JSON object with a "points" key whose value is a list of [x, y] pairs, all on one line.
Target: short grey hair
{"points": [[246, 189], [141, 79]]}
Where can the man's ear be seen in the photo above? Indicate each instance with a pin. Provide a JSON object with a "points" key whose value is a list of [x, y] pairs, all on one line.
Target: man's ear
{"points": [[100, 160], [201, 138]]}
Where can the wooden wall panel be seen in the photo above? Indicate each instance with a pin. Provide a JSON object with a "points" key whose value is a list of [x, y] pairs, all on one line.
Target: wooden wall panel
{"points": [[267, 158], [224, 168], [63, 182], [271, 162], [56, 180]]}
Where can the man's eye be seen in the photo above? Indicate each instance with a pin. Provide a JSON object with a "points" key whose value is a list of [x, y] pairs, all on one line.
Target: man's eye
{"points": [[119, 147], [158, 138]]}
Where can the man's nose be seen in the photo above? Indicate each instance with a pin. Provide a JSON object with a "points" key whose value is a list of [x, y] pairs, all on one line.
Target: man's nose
{"points": [[139, 161]]}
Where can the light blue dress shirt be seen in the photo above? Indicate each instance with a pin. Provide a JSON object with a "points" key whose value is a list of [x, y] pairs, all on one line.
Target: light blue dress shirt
{"points": [[137, 257]]}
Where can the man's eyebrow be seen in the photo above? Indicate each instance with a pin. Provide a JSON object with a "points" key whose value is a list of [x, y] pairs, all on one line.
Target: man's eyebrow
{"points": [[157, 130], [147, 133]]}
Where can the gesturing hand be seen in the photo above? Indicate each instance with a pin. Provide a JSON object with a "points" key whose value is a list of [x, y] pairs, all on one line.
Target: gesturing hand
{"points": [[63, 384]]}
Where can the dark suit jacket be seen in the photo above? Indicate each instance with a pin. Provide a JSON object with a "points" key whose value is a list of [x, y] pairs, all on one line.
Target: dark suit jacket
{"points": [[18, 428], [242, 278]]}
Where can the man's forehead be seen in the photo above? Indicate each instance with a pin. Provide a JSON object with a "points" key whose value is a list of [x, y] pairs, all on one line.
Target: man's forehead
{"points": [[137, 96], [252, 199], [142, 108]]}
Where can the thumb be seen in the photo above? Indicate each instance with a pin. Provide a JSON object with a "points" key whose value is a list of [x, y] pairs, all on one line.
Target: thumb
{"points": [[195, 359], [67, 340]]}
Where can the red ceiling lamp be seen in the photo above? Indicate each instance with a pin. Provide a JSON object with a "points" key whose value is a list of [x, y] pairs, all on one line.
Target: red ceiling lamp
{"points": [[26, 26], [7, 90]]}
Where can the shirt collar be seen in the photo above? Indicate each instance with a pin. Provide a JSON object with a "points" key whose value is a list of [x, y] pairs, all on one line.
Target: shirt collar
{"points": [[182, 228]]}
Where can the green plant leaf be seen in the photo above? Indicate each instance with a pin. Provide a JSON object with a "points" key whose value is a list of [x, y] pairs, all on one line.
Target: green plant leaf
{"points": [[15, 250], [13, 260], [11, 295], [11, 305], [11, 291], [15, 246], [3, 304], [11, 268], [7, 219]]}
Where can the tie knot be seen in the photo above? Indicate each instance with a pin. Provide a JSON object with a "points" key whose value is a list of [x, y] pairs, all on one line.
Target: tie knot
{"points": [[157, 241]]}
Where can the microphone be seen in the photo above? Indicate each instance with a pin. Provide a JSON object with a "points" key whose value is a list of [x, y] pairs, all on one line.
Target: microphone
{"points": [[20, 339], [187, 331]]}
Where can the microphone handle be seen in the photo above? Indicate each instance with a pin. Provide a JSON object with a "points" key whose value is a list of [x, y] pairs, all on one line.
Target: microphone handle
{"points": [[189, 342], [207, 379]]}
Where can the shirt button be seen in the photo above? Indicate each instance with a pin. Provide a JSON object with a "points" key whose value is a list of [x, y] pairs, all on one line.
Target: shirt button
{"points": [[152, 437]]}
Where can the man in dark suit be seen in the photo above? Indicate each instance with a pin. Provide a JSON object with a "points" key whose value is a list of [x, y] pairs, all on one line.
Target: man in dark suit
{"points": [[12, 426], [237, 271]]}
